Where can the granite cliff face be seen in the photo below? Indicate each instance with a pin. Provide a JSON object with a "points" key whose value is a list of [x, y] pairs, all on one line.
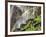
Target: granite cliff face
{"points": [[20, 14]]}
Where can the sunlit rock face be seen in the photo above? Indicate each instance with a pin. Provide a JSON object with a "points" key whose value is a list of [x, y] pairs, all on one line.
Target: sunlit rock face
{"points": [[20, 14]]}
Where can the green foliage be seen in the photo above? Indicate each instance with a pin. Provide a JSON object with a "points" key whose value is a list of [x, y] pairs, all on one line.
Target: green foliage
{"points": [[38, 19], [32, 24]]}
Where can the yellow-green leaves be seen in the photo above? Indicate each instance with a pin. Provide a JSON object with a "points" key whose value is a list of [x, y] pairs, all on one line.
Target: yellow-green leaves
{"points": [[32, 24], [37, 19]]}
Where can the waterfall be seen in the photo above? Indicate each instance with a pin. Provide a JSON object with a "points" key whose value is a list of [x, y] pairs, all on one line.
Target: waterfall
{"points": [[28, 14]]}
